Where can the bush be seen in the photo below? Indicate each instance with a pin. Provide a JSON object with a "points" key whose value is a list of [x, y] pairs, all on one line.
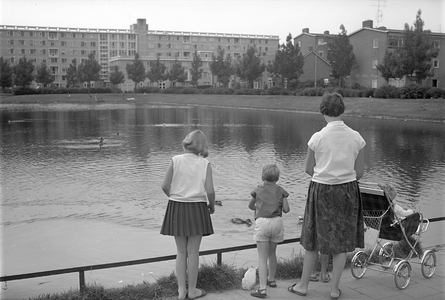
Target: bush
{"points": [[367, 92], [413, 91], [435, 93], [387, 92]]}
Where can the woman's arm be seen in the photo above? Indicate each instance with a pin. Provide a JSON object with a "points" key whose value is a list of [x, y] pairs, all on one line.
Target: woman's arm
{"points": [[210, 189], [359, 165], [286, 207], [310, 162], [168, 179]]}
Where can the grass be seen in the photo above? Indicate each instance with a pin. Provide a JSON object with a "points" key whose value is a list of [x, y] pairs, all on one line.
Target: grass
{"points": [[211, 277], [399, 109]]}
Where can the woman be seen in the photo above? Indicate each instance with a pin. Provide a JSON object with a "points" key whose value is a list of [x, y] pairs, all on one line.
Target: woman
{"points": [[333, 221]]}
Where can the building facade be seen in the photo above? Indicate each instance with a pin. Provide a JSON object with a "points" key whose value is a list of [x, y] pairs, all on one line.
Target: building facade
{"points": [[59, 47], [369, 46]]}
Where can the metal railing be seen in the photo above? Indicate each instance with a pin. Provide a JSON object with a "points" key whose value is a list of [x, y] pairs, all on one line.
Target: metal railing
{"points": [[81, 270]]}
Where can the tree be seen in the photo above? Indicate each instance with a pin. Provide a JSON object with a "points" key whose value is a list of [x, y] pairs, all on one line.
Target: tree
{"points": [[222, 68], [5, 73], [89, 70], [417, 51], [288, 62], [116, 77], [157, 72], [43, 75], [177, 73], [250, 67], [196, 71], [71, 75], [341, 56], [391, 67], [23, 72], [136, 71]]}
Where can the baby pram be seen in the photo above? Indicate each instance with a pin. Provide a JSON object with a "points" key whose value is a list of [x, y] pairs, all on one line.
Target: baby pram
{"points": [[378, 214]]}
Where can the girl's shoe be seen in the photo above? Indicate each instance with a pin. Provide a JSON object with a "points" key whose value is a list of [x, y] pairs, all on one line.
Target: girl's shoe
{"points": [[272, 284], [258, 293], [326, 278], [314, 277]]}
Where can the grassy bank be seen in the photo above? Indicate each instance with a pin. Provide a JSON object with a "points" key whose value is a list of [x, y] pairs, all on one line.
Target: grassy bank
{"points": [[402, 109]]}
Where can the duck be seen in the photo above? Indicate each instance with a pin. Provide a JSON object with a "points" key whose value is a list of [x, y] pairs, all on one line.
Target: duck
{"points": [[248, 222], [101, 142], [218, 202]]}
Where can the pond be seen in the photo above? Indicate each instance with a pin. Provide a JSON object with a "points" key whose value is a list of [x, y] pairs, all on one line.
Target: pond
{"points": [[55, 169]]}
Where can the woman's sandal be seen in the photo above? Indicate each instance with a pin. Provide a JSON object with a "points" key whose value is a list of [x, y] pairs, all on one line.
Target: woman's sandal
{"points": [[258, 293], [272, 284], [326, 278], [314, 277]]}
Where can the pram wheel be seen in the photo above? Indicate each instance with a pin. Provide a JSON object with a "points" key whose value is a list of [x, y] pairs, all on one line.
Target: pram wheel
{"points": [[402, 275], [428, 263], [359, 264], [386, 255]]}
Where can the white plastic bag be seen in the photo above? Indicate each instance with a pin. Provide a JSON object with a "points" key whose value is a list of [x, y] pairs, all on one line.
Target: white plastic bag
{"points": [[249, 279]]}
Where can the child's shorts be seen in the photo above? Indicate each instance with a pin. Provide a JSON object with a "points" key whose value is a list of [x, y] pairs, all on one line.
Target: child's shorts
{"points": [[269, 230]]}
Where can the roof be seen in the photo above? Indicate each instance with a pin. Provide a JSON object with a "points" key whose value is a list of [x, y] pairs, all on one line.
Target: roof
{"points": [[312, 52]]}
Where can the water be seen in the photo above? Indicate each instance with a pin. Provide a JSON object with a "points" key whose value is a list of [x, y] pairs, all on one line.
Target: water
{"points": [[53, 168]]}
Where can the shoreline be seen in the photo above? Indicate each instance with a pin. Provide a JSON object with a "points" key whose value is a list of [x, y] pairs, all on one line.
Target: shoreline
{"points": [[424, 110]]}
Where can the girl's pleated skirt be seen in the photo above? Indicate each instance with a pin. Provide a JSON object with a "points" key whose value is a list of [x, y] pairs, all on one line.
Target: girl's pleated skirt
{"points": [[333, 218], [187, 219]]}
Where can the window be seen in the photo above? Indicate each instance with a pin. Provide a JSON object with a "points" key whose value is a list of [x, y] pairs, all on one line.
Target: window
{"points": [[31, 33], [42, 43], [52, 35], [83, 52], [434, 83], [93, 44], [83, 35], [54, 70], [437, 44], [375, 43], [10, 33], [435, 63], [186, 39], [74, 44], [21, 42], [159, 45], [374, 83], [42, 34], [83, 44], [10, 42], [53, 60], [73, 35], [43, 51], [53, 44], [22, 51], [63, 43], [375, 62], [32, 51], [63, 34], [64, 60]]}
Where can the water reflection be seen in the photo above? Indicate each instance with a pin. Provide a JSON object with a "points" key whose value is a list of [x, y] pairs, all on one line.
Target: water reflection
{"points": [[54, 168]]}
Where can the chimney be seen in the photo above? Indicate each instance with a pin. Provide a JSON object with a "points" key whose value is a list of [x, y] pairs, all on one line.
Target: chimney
{"points": [[326, 32], [305, 30], [367, 23]]}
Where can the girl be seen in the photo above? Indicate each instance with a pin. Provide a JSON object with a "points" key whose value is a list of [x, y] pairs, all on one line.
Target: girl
{"points": [[189, 184], [268, 201]]}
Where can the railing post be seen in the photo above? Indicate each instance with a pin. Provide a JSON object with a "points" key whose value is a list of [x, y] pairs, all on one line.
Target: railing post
{"points": [[219, 258], [82, 281]]}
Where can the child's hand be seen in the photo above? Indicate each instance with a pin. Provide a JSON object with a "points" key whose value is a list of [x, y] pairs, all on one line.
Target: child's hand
{"points": [[211, 208]]}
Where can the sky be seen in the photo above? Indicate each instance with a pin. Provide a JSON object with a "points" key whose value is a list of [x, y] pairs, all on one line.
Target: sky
{"points": [[259, 17]]}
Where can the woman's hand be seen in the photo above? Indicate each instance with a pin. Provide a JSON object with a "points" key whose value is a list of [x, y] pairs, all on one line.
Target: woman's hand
{"points": [[211, 208]]}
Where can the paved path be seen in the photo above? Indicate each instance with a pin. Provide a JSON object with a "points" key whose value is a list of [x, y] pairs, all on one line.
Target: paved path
{"points": [[374, 285]]}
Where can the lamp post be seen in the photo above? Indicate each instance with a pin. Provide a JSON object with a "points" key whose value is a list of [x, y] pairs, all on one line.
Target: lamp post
{"points": [[316, 58]]}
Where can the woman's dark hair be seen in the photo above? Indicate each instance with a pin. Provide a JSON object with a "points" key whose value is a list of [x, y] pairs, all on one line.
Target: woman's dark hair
{"points": [[332, 105]]}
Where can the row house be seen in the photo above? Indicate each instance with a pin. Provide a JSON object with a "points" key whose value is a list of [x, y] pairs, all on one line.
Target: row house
{"points": [[369, 46]]}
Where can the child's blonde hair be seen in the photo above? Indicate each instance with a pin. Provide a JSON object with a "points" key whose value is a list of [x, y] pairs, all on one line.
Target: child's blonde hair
{"points": [[271, 173], [196, 142]]}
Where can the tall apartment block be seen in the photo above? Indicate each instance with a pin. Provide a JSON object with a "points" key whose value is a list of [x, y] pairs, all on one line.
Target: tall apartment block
{"points": [[58, 47]]}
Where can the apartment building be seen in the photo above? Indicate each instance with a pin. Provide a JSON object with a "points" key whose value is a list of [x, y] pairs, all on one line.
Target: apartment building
{"points": [[59, 47], [369, 46], [314, 47]]}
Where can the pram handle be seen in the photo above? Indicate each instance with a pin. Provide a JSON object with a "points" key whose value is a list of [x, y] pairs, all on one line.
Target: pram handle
{"points": [[368, 183]]}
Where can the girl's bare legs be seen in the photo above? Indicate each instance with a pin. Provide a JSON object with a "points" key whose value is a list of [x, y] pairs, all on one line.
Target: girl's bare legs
{"points": [[338, 264], [181, 265], [193, 245], [272, 260], [310, 259], [324, 266], [263, 253]]}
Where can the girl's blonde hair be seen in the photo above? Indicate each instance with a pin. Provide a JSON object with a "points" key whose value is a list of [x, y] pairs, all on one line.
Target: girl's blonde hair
{"points": [[271, 173], [196, 142]]}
